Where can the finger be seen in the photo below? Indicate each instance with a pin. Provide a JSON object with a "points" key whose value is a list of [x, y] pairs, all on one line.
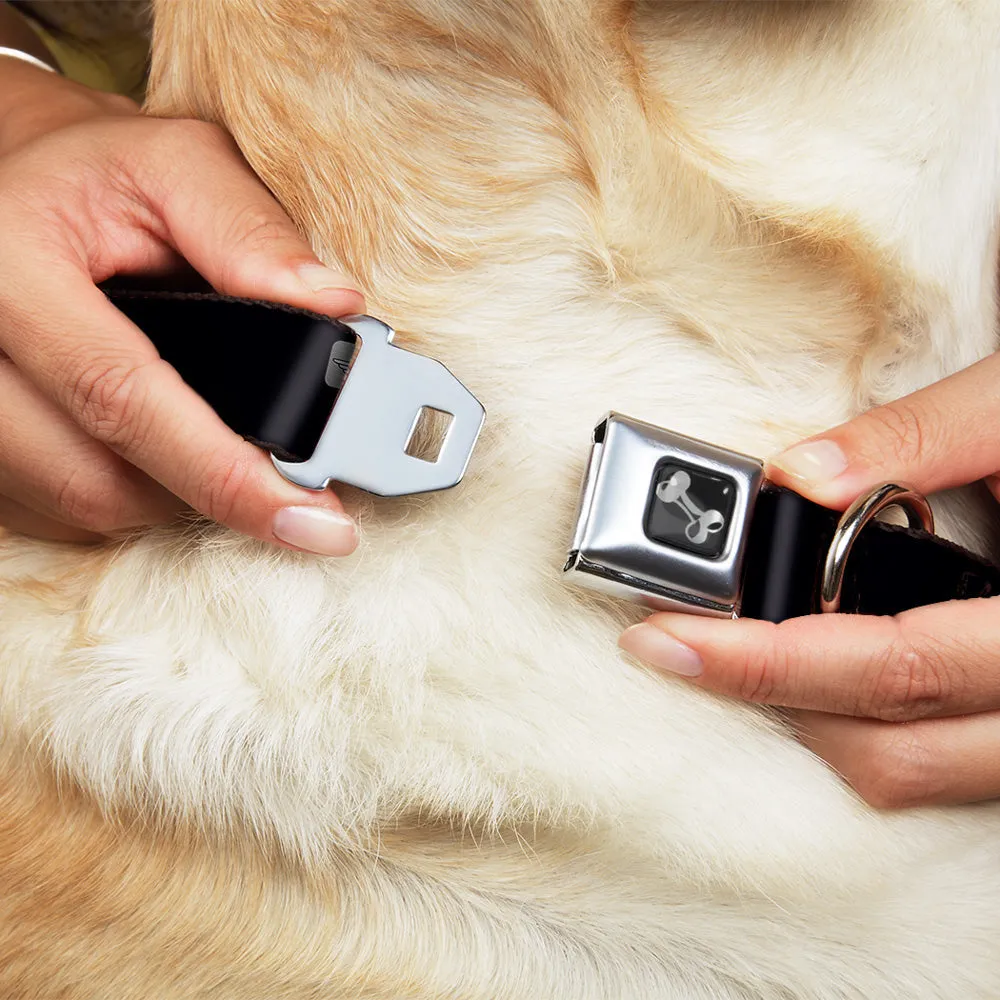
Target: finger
{"points": [[68, 338], [895, 765], [24, 521], [939, 437], [239, 238], [50, 465], [943, 659]]}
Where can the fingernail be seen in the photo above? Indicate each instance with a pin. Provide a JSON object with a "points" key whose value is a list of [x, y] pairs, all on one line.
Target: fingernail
{"points": [[318, 278], [655, 647], [314, 529], [813, 462]]}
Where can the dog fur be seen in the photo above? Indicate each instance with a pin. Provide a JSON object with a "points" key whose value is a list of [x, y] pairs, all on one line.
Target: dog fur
{"points": [[425, 771]]}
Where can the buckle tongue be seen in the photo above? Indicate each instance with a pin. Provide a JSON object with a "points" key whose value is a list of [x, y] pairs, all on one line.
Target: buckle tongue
{"points": [[385, 389]]}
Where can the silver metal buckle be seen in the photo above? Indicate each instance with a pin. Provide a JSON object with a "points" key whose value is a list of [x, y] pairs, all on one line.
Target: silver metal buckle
{"points": [[386, 388], [869, 505], [664, 519]]}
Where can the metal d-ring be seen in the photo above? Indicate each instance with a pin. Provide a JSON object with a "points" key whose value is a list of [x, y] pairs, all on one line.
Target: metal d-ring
{"points": [[853, 520]]}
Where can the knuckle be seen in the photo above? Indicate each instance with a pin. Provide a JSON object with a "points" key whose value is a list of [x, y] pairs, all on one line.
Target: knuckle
{"points": [[256, 230], [761, 673], [908, 681], [89, 503], [107, 402], [900, 770], [903, 431], [254, 233], [219, 493]]}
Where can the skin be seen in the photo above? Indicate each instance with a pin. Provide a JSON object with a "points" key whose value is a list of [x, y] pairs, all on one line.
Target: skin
{"points": [[97, 434], [906, 708]]}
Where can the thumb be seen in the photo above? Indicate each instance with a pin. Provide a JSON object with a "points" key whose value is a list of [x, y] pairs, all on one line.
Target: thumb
{"points": [[936, 438], [229, 227]]}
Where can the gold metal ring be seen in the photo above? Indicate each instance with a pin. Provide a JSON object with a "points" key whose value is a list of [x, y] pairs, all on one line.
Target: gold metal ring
{"points": [[853, 520]]}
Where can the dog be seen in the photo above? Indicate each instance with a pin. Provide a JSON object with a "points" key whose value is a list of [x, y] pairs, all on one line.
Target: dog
{"points": [[425, 771]]}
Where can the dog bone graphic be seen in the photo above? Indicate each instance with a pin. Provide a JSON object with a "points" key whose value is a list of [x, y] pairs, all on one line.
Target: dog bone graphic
{"points": [[701, 523]]}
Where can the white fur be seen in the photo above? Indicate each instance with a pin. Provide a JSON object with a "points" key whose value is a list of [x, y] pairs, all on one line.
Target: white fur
{"points": [[675, 844]]}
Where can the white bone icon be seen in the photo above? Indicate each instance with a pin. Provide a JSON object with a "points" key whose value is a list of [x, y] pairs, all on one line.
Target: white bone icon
{"points": [[701, 523]]}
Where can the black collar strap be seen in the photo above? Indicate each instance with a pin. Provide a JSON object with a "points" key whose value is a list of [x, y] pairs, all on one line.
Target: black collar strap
{"points": [[330, 399], [890, 568], [678, 524], [665, 519]]}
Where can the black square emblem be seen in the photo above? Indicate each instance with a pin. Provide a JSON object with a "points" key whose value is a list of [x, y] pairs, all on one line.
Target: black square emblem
{"points": [[690, 509]]}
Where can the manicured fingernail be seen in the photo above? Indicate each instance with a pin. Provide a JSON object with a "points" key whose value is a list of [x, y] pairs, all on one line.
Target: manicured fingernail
{"points": [[323, 279], [655, 647], [813, 462], [314, 529]]}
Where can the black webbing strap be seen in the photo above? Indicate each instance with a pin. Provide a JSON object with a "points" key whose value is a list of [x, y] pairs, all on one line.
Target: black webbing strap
{"points": [[890, 569], [272, 374], [269, 371]]}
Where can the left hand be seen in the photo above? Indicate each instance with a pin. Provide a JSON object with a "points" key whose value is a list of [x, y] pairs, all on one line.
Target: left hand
{"points": [[98, 434], [906, 708]]}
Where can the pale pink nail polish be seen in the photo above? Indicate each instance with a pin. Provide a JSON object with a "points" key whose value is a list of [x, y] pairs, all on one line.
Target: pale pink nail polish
{"points": [[655, 647], [814, 462], [325, 532]]}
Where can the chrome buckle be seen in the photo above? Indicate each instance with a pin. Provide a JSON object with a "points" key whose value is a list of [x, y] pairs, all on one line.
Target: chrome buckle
{"points": [[852, 521], [664, 519], [365, 439]]}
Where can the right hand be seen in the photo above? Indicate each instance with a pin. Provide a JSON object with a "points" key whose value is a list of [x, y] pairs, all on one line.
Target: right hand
{"points": [[905, 707], [98, 435]]}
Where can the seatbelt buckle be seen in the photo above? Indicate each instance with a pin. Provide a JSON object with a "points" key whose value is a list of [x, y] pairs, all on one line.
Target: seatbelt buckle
{"points": [[365, 440], [664, 519]]}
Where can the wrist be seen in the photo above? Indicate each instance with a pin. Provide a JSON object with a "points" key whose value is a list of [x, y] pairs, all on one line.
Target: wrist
{"points": [[16, 33], [6, 52]]}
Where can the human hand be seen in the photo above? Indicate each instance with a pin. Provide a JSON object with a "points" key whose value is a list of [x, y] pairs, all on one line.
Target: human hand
{"points": [[97, 434], [906, 708]]}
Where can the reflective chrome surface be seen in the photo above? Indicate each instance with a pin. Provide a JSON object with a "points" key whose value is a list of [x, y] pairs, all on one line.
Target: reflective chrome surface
{"points": [[611, 551], [871, 504], [364, 441]]}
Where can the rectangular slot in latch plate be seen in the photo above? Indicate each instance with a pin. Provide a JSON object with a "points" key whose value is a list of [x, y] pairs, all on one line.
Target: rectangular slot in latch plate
{"points": [[428, 434]]}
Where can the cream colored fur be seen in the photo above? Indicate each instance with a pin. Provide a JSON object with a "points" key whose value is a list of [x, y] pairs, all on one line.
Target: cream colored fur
{"points": [[425, 770]]}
